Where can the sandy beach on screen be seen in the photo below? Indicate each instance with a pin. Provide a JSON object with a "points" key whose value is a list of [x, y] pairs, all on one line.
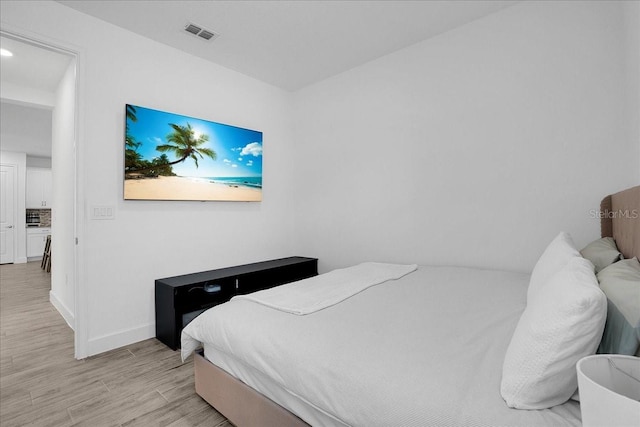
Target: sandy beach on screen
{"points": [[180, 188]]}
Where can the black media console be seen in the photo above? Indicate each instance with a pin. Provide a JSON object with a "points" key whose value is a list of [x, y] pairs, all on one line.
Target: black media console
{"points": [[180, 299]]}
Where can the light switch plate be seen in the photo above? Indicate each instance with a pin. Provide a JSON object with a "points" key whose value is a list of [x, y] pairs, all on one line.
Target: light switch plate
{"points": [[102, 212]]}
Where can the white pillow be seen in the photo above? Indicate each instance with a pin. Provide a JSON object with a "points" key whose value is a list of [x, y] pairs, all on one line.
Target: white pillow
{"points": [[555, 256], [562, 323]]}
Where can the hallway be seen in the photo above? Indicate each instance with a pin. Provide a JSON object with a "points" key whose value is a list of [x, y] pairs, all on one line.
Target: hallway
{"points": [[41, 384]]}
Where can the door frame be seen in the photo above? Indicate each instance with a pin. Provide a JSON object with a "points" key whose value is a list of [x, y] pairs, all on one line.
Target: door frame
{"points": [[80, 318]]}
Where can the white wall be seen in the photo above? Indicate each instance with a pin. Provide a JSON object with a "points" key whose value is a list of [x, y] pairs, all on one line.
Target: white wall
{"points": [[631, 10], [62, 293], [20, 94], [26, 128], [475, 147], [121, 258], [39, 162]]}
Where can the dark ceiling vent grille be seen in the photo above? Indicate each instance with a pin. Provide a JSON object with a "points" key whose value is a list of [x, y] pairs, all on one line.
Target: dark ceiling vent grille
{"points": [[193, 29], [200, 32], [206, 35]]}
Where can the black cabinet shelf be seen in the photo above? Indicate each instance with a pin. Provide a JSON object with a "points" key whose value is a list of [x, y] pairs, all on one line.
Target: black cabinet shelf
{"points": [[179, 299]]}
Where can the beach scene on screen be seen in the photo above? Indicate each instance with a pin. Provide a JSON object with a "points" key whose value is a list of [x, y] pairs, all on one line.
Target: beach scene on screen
{"points": [[175, 157]]}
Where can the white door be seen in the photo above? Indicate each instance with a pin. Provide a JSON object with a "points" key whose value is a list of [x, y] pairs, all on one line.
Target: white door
{"points": [[7, 229]]}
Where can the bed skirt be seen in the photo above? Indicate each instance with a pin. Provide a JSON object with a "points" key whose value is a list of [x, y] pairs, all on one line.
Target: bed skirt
{"points": [[241, 404]]}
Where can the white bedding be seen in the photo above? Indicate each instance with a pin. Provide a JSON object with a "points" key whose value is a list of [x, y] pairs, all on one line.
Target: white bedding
{"points": [[319, 292], [426, 349]]}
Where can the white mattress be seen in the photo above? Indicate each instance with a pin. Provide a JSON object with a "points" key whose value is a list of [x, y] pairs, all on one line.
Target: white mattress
{"points": [[426, 349]]}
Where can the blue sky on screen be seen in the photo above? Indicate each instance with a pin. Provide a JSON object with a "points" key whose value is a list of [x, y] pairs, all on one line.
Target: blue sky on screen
{"points": [[239, 151]]}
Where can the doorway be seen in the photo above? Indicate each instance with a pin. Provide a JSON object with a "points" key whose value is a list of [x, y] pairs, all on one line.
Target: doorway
{"points": [[46, 79]]}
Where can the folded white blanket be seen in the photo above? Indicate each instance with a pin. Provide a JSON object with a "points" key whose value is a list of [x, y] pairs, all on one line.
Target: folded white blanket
{"points": [[319, 292]]}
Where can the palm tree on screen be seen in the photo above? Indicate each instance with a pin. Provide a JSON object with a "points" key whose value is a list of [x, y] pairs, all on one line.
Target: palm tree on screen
{"points": [[131, 113], [133, 159], [130, 141], [182, 142], [161, 164]]}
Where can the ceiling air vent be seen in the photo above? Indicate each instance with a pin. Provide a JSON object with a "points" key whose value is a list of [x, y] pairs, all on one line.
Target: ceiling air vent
{"points": [[193, 29], [206, 34], [200, 32]]}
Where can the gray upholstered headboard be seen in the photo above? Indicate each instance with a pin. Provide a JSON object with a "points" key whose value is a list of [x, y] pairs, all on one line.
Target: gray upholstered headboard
{"points": [[620, 219]]}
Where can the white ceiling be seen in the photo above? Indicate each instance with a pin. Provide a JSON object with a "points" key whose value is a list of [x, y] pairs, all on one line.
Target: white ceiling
{"points": [[24, 126], [290, 44], [32, 66]]}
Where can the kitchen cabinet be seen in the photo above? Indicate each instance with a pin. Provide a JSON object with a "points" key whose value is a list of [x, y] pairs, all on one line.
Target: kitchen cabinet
{"points": [[36, 239], [38, 194]]}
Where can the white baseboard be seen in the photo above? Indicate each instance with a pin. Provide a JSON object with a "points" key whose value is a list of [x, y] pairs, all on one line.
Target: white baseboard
{"points": [[20, 260], [120, 339], [63, 310]]}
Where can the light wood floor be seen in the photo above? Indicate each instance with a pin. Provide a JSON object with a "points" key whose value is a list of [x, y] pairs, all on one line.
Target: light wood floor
{"points": [[41, 384]]}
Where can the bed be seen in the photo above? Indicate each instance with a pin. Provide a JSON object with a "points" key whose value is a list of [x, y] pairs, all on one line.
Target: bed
{"points": [[424, 348]]}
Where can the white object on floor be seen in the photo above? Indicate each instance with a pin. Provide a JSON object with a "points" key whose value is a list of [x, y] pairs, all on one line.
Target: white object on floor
{"points": [[609, 386]]}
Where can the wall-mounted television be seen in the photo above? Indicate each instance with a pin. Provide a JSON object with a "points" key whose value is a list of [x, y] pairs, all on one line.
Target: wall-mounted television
{"points": [[174, 157]]}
